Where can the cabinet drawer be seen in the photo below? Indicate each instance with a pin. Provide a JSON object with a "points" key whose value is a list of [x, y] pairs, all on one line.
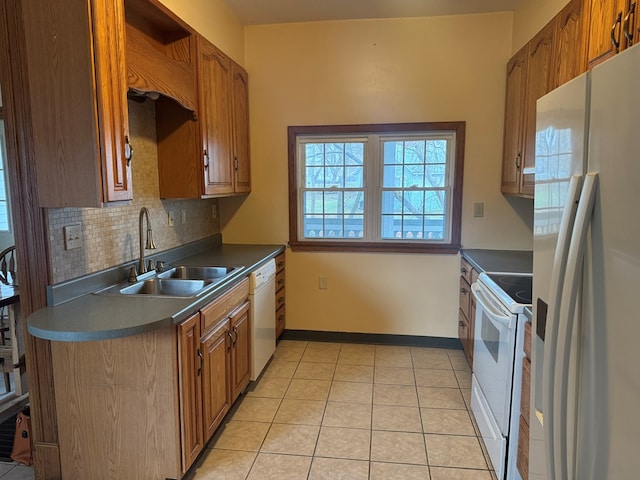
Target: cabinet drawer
{"points": [[465, 270], [280, 262], [522, 461], [465, 296], [280, 297], [279, 280], [527, 339], [526, 389], [474, 276], [223, 305], [281, 317]]}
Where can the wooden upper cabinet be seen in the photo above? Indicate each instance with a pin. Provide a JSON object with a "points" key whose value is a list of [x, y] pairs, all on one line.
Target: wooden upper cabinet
{"points": [[206, 155], [242, 164], [539, 82], [513, 122], [215, 116], [570, 57], [606, 23], [77, 85]]}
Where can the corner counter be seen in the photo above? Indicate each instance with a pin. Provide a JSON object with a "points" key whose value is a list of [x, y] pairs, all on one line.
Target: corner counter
{"points": [[77, 314], [511, 261]]}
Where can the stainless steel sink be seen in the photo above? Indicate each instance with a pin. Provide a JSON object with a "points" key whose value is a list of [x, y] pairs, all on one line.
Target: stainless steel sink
{"points": [[168, 287], [198, 273]]}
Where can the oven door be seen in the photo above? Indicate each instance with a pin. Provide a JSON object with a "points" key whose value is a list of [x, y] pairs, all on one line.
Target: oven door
{"points": [[493, 353]]}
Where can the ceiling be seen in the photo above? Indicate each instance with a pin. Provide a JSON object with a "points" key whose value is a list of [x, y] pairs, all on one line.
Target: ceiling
{"points": [[257, 12]]}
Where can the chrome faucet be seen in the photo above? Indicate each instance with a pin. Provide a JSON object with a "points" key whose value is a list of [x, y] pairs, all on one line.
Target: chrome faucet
{"points": [[144, 212]]}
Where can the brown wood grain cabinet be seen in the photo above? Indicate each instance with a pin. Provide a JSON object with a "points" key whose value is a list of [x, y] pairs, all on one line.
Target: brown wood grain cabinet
{"points": [[466, 312], [570, 49], [78, 86], [280, 295], [147, 404], [190, 390], [213, 146], [613, 26], [522, 459], [513, 149]]}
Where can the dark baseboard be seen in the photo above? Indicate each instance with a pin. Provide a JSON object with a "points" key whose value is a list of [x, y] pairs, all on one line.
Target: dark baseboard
{"points": [[374, 338]]}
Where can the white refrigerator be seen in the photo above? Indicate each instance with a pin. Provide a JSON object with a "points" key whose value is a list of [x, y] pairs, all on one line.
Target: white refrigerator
{"points": [[585, 393]]}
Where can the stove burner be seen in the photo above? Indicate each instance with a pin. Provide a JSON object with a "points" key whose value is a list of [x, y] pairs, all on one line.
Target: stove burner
{"points": [[518, 287]]}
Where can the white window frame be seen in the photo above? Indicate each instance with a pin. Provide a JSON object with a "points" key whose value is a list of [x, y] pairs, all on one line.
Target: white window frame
{"points": [[373, 137]]}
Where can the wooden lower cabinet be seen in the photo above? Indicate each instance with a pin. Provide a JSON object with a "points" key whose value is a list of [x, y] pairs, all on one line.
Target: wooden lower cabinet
{"points": [[240, 350], [280, 295], [190, 388], [467, 310], [216, 399]]}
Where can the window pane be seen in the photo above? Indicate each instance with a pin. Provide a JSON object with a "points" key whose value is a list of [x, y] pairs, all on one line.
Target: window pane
{"points": [[332, 202], [434, 227], [414, 152], [414, 176], [436, 175], [334, 154], [354, 153], [435, 202], [354, 203], [413, 202], [313, 202], [393, 153], [314, 177], [354, 177], [392, 176], [314, 154], [354, 226], [391, 202], [334, 176], [436, 151]]}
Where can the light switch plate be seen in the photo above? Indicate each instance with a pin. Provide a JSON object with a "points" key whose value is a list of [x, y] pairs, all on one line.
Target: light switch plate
{"points": [[72, 236], [478, 209]]}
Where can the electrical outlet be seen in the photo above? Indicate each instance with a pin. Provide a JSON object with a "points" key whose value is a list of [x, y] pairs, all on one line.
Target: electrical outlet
{"points": [[72, 236], [478, 209], [183, 216], [170, 219], [322, 283]]}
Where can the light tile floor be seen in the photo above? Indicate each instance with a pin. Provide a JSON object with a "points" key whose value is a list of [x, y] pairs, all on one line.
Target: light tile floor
{"points": [[351, 411]]}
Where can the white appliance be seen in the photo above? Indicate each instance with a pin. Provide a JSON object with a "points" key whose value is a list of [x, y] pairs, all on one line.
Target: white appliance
{"points": [[497, 363], [584, 423], [262, 295]]}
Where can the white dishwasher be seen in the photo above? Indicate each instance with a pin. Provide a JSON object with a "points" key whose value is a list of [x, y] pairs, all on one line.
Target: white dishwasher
{"points": [[262, 295]]}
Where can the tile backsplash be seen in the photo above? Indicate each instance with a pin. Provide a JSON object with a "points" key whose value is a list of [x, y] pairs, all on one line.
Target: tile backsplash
{"points": [[110, 234]]}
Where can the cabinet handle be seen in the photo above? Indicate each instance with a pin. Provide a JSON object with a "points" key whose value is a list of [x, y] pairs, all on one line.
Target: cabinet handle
{"points": [[628, 34], [518, 158], [206, 160], [231, 339], [281, 281], [281, 318], [463, 291], [235, 162], [201, 362], [280, 264], [615, 40], [461, 323], [128, 150], [235, 331], [463, 270], [281, 300]]}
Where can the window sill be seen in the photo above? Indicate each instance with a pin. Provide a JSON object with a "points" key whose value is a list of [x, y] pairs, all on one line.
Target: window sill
{"points": [[374, 247]]}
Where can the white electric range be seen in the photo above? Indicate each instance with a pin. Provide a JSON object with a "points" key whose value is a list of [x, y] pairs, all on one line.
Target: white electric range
{"points": [[501, 299]]}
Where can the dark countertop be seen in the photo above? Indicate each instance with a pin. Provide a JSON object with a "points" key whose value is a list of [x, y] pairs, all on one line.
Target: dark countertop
{"points": [[503, 261], [90, 316]]}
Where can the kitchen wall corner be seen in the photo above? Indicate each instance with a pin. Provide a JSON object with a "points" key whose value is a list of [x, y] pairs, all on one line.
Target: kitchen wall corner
{"points": [[110, 234]]}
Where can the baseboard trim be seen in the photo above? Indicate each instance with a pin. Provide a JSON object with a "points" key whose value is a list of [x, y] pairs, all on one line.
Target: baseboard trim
{"points": [[375, 338]]}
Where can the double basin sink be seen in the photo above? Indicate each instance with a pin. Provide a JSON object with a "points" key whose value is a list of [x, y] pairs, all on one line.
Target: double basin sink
{"points": [[180, 281]]}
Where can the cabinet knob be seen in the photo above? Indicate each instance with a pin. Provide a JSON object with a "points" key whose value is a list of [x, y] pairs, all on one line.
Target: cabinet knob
{"points": [[463, 270], [463, 291], [461, 323], [206, 159]]}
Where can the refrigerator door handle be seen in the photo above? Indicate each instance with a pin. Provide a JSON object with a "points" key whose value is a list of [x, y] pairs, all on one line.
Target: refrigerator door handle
{"points": [[555, 296], [571, 288]]}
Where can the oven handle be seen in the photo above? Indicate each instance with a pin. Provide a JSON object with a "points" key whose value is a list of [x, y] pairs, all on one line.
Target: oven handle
{"points": [[495, 315]]}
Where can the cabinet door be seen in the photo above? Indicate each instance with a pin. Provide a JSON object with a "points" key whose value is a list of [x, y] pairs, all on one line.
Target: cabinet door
{"points": [[240, 350], [190, 386], [215, 88], [77, 85], [216, 396], [605, 29], [242, 166], [539, 83], [513, 121], [570, 60]]}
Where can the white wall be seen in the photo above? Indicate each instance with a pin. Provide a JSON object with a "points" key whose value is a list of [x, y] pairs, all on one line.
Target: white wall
{"points": [[378, 71]]}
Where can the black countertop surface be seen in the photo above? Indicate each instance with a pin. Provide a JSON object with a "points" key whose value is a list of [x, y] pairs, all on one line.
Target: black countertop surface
{"points": [[503, 261]]}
